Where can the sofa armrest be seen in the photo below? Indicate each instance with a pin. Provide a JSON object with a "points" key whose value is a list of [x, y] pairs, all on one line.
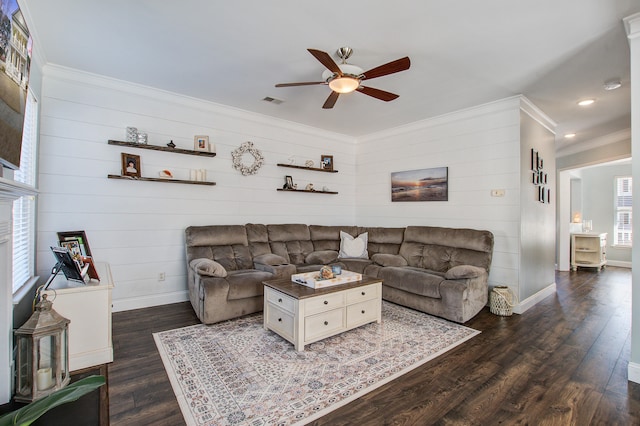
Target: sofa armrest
{"points": [[464, 272], [321, 257], [208, 267], [269, 259], [383, 259]]}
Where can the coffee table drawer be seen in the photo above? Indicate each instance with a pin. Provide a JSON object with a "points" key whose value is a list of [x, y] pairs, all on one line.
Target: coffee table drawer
{"points": [[323, 324], [324, 303], [362, 293], [280, 321], [281, 300], [363, 312]]}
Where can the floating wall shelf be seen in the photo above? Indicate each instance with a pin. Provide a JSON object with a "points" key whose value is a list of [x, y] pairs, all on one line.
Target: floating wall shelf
{"points": [[163, 148], [306, 190], [148, 179], [315, 169]]}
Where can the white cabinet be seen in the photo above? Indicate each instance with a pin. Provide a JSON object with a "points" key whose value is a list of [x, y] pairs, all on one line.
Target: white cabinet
{"points": [[588, 250], [88, 307]]}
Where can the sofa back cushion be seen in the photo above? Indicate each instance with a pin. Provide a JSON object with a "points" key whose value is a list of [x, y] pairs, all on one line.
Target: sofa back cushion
{"points": [[258, 238], [439, 249], [226, 244], [383, 240], [291, 241]]}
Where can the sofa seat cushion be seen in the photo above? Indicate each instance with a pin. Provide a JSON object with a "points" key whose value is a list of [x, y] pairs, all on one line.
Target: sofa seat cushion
{"points": [[413, 280], [246, 283], [305, 267], [354, 265], [389, 259]]}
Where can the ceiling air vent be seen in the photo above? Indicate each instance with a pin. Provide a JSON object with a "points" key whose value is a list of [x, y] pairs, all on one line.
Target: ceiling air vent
{"points": [[273, 100]]}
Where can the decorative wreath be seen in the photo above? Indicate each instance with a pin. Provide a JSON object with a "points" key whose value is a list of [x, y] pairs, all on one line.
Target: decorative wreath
{"points": [[237, 159]]}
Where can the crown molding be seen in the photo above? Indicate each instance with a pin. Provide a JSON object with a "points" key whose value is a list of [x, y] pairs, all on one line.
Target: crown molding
{"points": [[78, 77]]}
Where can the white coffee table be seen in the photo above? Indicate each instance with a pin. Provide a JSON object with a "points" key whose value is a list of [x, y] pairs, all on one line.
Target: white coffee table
{"points": [[304, 315]]}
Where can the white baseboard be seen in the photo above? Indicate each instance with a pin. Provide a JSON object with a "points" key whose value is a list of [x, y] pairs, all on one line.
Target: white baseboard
{"points": [[529, 302], [633, 372], [619, 263], [148, 301]]}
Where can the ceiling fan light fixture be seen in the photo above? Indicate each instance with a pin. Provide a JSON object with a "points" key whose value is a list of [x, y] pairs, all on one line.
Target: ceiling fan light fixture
{"points": [[612, 85], [344, 84]]}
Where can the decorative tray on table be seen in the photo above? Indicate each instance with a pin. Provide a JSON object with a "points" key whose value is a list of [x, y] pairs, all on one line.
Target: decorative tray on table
{"points": [[314, 280]]}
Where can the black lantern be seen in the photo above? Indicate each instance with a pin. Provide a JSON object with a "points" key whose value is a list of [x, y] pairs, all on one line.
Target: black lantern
{"points": [[43, 353]]}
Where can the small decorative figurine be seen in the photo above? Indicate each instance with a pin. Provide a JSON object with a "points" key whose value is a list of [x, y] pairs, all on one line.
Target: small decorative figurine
{"points": [[308, 163], [171, 144], [326, 273], [310, 187]]}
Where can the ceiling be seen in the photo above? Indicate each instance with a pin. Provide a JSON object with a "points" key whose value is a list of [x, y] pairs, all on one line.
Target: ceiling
{"points": [[463, 53]]}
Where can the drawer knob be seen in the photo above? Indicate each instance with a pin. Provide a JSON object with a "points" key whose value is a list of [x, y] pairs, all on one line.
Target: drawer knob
{"points": [[363, 311], [326, 302], [363, 293], [279, 300], [279, 319], [326, 323]]}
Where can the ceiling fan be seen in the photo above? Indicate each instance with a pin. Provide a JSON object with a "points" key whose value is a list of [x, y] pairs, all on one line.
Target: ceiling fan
{"points": [[346, 78]]}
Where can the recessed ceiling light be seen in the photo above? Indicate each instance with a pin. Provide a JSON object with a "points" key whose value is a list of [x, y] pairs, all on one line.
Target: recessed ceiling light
{"points": [[612, 85], [570, 135], [586, 102]]}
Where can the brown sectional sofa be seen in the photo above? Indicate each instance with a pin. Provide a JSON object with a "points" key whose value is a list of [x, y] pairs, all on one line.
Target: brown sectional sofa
{"points": [[440, 271]]}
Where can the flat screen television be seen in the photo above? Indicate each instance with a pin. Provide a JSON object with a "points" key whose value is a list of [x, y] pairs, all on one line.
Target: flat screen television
{"points": [[15, 62]]}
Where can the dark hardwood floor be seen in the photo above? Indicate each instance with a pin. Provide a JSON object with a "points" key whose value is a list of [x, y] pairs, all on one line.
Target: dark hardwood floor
{"points": [[563, 362]]}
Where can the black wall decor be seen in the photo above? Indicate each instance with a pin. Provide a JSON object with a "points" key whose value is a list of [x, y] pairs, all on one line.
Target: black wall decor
{"points": [[539, 177]]}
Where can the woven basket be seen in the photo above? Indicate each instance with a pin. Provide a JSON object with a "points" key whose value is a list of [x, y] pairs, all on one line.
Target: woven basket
{"points": [[502, 301]]}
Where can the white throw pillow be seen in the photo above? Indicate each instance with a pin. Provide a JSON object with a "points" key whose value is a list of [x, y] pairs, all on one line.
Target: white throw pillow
{"points": [[353, 247]]}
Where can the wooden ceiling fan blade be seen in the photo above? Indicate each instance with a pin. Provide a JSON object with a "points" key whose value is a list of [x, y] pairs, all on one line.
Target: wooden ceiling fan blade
{"points": [[326, 60], [331, 100], [377, 93], [302, 83], [398, 65]]}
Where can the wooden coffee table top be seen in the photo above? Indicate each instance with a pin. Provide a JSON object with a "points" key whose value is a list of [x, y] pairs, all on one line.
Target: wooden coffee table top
{"points": [[299, 291]]}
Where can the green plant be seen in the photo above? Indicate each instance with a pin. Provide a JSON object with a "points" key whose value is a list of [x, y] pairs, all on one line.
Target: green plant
{"points": [[30, 413]]}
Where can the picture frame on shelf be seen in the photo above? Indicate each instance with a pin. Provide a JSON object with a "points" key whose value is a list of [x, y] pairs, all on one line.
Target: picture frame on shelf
{"points": [[288, 182], [326, 162], [201, 143], [130, 165], [78, 236]]}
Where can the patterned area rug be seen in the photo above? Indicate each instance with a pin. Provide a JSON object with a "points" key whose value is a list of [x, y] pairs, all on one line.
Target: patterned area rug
{"points": [[237, 373]]}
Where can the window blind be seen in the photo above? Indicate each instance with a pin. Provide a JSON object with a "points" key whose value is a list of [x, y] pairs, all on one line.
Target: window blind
{"points": [[24, 207], [623, 234]]}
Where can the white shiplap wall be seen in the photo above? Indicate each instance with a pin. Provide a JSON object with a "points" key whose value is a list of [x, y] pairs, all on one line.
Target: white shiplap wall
{"points": [[138, 227], [481, 148]]}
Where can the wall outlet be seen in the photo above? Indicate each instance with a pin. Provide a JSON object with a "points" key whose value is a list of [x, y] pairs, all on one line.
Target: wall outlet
{"points": [[161, 276]]}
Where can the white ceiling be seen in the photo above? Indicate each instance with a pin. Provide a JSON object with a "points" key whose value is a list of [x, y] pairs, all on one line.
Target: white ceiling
{"points": [[463, 53]]}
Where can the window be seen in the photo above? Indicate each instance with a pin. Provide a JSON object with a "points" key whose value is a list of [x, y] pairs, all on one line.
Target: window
{"points": [[623, 235], [24, 210]]}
